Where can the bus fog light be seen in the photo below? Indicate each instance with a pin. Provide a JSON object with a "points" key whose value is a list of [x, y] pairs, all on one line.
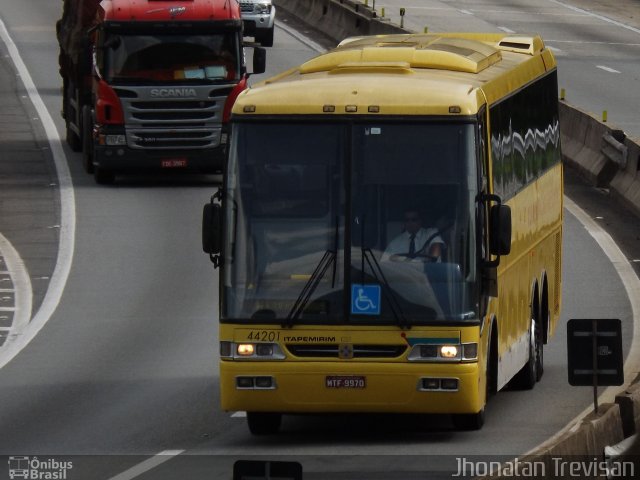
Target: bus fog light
{"points": [[431, 383], [244, 382], [448, 351], [264, 382], [449, 384]]}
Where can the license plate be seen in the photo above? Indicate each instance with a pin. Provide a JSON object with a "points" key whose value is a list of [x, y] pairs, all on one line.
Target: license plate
{"points": [[174, 163], [346, 381]]}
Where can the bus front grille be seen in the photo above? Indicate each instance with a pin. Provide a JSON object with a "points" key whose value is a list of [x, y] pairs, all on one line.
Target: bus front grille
{"points": [[359, 351]]}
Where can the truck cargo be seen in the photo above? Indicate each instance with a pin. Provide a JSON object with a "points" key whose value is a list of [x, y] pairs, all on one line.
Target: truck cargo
{"points": [[149, 84]]}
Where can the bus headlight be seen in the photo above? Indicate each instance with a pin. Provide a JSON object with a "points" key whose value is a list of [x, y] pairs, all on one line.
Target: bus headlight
{"points": [[466, 352], [449, 351], [245, 349], [469, 351], [251, 351]]}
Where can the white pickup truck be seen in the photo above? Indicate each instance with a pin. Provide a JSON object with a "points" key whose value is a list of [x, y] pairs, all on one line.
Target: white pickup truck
{"points": [[259, 18]]}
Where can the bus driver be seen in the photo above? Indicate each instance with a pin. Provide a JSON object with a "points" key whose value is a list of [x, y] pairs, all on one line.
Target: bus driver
{"points": [[414, 241]]}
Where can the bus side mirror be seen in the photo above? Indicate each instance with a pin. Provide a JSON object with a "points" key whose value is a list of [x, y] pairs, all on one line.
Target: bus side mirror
{"points": [[259, 60], [212, 229], [500, 221]]}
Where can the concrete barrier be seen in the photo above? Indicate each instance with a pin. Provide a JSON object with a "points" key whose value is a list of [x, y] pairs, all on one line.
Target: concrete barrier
{"points": [[338, 19], [629, 404]]}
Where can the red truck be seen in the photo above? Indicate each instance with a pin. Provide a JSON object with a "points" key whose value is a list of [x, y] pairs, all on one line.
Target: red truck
{"points": [[149, 84]]}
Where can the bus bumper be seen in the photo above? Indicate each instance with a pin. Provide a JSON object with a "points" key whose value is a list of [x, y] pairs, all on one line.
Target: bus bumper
{"points": [[387, 388]]}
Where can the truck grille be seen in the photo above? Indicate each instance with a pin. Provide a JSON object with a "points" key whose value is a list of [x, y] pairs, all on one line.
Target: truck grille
{"points": [[246, 7], [193, 122], [359, 351]]}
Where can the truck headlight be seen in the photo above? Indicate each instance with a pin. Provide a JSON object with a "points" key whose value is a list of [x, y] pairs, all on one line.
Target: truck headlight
{"points": [[113, 140], [262, 8]]}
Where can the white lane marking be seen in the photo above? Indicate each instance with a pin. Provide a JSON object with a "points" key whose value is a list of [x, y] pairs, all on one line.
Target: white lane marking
{"points": [[466, 12], [595, 15], [23, 293], [631, 284], [67, 212], [147, 465], [557, 52], [239, 415], [607, 69], [301, 38], [506, 30]]}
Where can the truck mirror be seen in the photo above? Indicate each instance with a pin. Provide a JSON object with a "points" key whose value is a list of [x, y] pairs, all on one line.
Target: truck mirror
{"points": [[112, 42], [500, 241], [211, 228], [259, 60]]}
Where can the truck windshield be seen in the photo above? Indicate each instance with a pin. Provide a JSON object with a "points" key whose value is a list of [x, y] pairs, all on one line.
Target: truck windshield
{"points": [[171, 58], [319, 222]]}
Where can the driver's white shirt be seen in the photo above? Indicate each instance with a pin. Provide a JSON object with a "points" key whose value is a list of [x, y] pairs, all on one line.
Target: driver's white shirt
{"points": [[400, 244]]}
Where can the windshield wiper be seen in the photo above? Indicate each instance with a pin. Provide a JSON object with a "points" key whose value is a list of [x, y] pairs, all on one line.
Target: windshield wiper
{"points": [[392, 299], [328, 259], [300, 304]]}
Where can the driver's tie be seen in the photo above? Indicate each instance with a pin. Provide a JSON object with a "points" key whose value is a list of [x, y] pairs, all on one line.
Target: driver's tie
{"points": [[412, 244]]}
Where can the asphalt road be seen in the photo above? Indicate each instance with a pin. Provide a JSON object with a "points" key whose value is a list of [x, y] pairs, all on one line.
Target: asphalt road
{"points": [[127, 363]]}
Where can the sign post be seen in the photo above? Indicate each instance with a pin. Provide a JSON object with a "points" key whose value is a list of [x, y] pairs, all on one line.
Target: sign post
{"points": [[594, 349]]}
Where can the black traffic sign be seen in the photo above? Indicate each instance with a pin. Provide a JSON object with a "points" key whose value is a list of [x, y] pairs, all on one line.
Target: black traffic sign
{"points": [[595, 352]]}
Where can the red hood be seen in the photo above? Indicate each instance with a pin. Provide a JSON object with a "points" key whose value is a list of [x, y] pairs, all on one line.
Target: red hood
{"points": [[164, 10]]}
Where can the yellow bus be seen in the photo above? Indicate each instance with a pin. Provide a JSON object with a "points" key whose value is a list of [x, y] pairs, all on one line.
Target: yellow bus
{"points": [[389, 229]]}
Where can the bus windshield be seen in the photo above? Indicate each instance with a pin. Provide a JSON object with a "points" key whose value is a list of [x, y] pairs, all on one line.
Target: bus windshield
{"points": [[171, 58], [356, 223]]}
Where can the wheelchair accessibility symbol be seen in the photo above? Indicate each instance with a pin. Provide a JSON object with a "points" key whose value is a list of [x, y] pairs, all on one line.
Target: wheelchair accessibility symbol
{"points": [[365, 299]]}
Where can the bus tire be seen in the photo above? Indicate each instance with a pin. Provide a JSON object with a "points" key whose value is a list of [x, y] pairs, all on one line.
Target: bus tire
{"points": [[263, 423], [526, 378], [469, 421], [540, 349]]}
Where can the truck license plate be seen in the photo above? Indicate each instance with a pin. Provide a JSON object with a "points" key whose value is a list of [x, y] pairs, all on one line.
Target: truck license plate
{"points": [[174, 163], [346, 381]]}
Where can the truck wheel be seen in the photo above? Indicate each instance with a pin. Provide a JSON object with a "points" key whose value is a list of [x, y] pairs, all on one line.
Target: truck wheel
{"points": [[87, 139], [102, 176], [266, 39], [73, 139]]}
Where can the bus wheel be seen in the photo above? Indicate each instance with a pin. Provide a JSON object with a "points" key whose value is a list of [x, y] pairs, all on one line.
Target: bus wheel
{"points": [[261, 423], [540, 350], [468, 421], [526, 378]]}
